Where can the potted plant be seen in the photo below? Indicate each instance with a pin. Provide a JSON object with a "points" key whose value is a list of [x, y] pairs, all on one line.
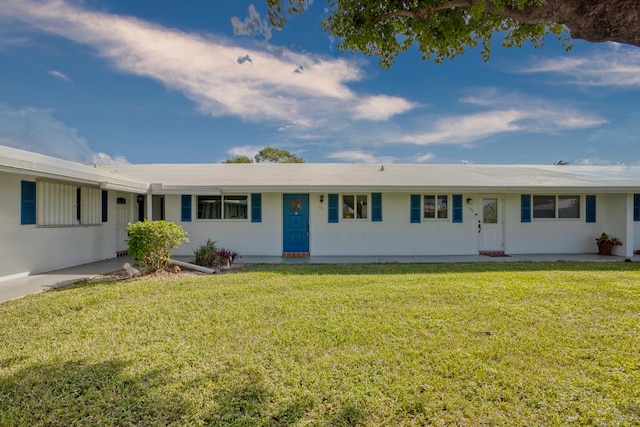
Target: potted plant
{"points": [[606, 244]]}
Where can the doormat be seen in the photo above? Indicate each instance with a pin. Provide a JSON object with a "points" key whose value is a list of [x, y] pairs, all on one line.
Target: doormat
{"points": [[497, 255]]}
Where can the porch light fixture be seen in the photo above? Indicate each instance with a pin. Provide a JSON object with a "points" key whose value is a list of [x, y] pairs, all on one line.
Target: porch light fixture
{"points": [[321, 199], [469, 201]]}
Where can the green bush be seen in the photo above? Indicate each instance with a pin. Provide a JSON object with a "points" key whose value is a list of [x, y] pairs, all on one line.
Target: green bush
{"points": [[205, 255], [151, 242]]}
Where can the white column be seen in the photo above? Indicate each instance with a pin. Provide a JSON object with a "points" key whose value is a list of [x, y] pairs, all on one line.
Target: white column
{"points": [[628, 238]]}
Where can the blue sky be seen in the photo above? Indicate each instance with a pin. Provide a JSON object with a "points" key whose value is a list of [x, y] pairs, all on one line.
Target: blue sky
{"points": [[103, 81]]}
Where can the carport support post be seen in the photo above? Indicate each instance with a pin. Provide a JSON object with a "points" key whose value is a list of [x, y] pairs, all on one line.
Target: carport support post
{"points": [[629, 244], [148, 215]]}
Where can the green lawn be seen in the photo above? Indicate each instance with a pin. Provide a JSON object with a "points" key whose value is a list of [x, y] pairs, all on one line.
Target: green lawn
{"points": [[477, 344]]}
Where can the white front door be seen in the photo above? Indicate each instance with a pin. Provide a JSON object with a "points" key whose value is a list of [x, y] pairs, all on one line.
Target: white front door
{"points": [[122, 220], [490, 236]]}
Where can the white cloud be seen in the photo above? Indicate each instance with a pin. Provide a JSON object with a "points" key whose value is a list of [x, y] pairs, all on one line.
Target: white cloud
{"points": [[617, 67], [206, 69], [594, 161], [59, 75], [381, 107], [504, 114], [422, 158], [244, 150], [36, 130], [359, 157]]}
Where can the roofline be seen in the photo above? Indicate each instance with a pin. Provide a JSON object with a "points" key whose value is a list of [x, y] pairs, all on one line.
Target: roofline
{"points": [[20, 162], [214, 190]]}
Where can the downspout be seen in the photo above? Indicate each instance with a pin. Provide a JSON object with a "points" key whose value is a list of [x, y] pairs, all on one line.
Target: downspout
{"points": [[192, 266]]}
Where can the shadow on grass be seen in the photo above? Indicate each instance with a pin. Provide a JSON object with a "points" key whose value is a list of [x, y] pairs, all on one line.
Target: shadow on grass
{"points": [[437, 268], [249, 403], [78, 393]]}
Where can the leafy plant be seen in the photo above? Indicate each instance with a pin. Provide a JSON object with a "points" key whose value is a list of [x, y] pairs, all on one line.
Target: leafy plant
{"points": [[151, 242], [223, 255], [604, 238], [205, 255]]}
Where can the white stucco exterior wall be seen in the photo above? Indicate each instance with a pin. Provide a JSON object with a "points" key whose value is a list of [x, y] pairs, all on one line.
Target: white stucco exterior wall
{"points": [[242, 236], [30, 249]]}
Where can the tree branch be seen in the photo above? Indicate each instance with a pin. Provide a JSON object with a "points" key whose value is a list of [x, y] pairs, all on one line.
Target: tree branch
{"points": [[529, 15]]}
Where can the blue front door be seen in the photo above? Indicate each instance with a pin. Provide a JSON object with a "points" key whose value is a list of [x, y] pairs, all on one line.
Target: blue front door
{"points": [[296, 223]]}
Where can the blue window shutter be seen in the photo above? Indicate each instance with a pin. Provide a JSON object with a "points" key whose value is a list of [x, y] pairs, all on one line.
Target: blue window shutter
{"points": [[185, 208], [415, 208], [28, 202], [333, 208], [105, 205], [525, 205], [456, 201], [636, 207], [590, 208], [376, 207], [256, 207]]}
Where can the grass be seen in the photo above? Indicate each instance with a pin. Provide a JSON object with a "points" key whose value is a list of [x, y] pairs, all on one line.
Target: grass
{"points": [[479, 344]]}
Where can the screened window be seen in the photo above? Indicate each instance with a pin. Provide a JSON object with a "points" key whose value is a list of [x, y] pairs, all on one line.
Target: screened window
{"points": [[551, 207], [436, 206], [355, 206], [223, 207]]}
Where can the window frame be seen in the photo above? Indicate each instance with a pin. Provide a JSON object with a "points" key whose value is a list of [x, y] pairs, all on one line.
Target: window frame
{"points": [[355, 217], [223, 206], [436, 212], [557, 208]]}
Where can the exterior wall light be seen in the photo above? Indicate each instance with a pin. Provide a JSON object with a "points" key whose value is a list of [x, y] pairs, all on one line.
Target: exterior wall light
{"points": [[321, 199], [469, 201]]}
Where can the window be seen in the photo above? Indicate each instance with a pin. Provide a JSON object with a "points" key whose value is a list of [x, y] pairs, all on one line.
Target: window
{"points": [[569, 207], [65, 204], [551, 207], [355, 206], [436, 206], [222, 207]]}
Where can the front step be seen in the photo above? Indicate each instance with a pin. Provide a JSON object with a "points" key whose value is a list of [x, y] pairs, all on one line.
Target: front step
{"points": [[492, 253], [295, 254]]}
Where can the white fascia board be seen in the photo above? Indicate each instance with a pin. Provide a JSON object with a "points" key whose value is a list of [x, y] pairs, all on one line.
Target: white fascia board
{"points": [[183, 189], [46, 167]]}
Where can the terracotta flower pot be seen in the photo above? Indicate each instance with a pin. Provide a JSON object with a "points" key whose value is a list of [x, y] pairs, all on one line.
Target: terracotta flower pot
{"points": [[605, 248]]}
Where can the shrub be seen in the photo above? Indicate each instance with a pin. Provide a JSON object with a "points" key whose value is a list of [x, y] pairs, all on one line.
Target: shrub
{"points": [[151, 242], [205, 255]]}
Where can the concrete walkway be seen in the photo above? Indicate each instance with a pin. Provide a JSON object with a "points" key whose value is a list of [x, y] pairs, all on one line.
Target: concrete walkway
{"points": [[19, 287]]}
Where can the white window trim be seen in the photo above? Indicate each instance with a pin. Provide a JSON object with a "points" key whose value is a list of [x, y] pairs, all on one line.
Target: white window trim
{"points": [[222, 196], [557, 207], [436, 219]]}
